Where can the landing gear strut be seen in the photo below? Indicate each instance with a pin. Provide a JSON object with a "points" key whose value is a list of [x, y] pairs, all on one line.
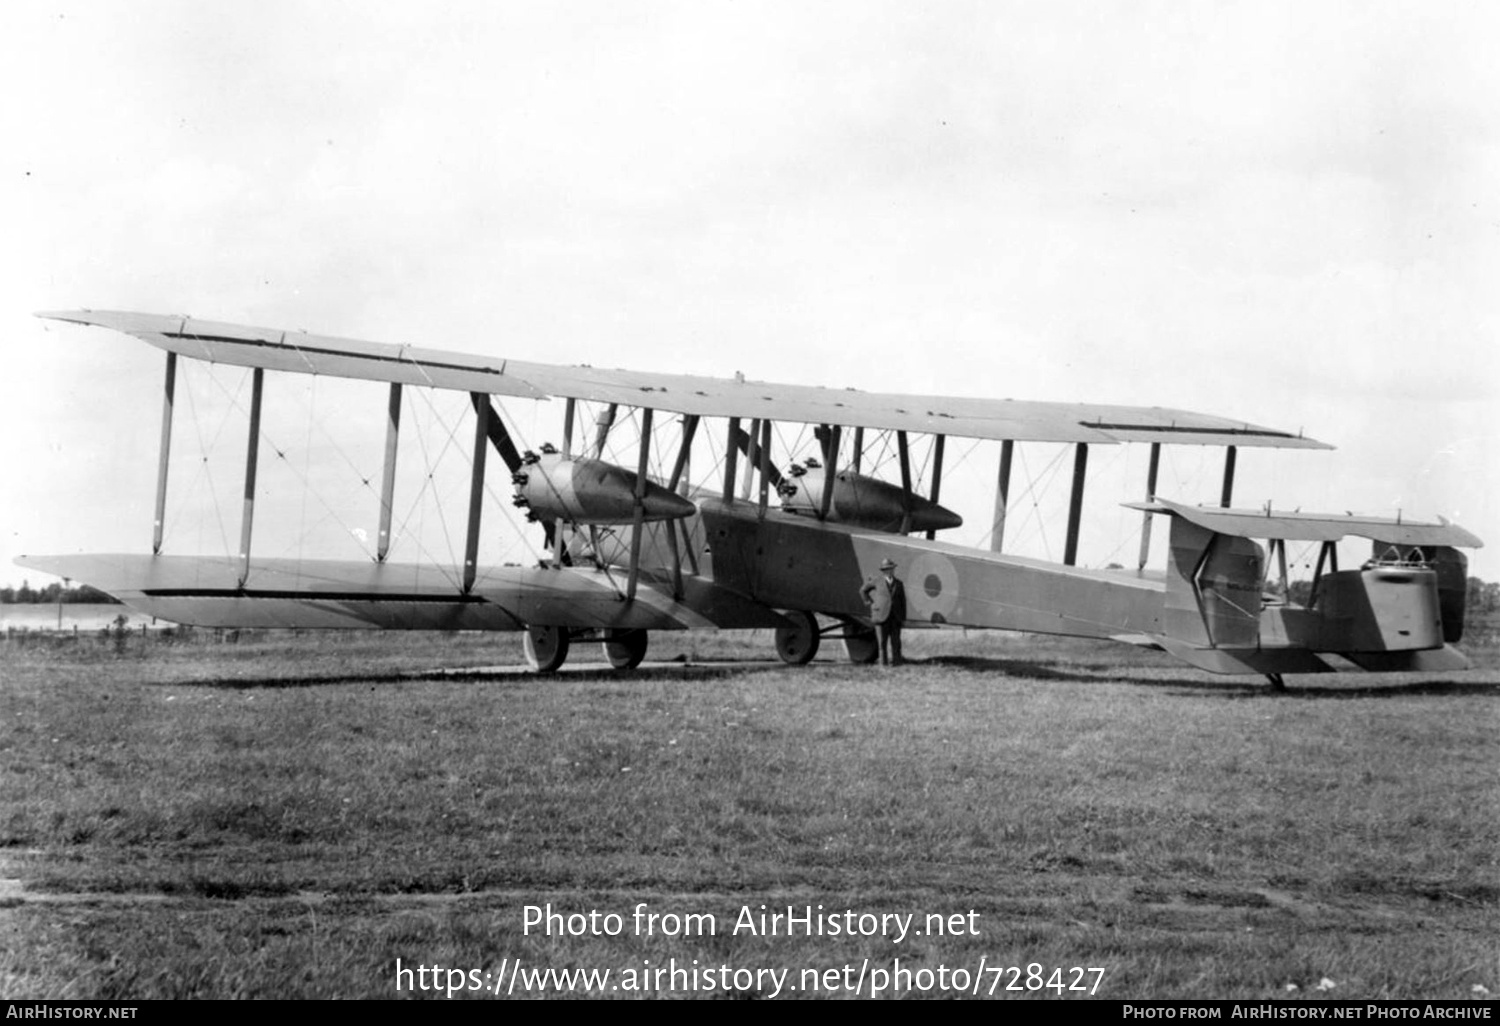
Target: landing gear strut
{"points": [[1277, 684]]}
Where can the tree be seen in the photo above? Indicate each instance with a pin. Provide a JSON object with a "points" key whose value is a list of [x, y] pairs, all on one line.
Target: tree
{"points": [[1483, 597]]}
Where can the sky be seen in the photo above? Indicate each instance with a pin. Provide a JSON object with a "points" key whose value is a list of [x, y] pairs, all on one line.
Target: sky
{"points": [[1285, 213]]}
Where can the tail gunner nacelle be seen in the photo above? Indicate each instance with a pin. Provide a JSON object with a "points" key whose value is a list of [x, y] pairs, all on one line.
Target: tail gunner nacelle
{"points": [[587, 491]]}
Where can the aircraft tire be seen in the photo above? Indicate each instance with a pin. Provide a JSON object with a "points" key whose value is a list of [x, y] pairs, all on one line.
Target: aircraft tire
{"points": [[860, 643], [625, 648], [546, 648], [798, 644]]}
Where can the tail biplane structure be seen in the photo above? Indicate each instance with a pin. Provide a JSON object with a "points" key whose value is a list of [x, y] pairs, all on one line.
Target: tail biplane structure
{"points": [[626, 554]]}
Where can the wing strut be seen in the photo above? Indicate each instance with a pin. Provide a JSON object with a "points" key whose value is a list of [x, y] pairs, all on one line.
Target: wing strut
{"points": [[1075, 503], [1150, 497], [495, 431], [388, 475], [756, 446], [257, 382], [640, 505], [169, 394], [606, 420], [476, 485], [937, 473], [752, 455], [904, 452], [823, 433], [731, 457], [1328, 552], [859, 448], [766, 470], [559, 528], [1230, 452], [671, 528], [830, 471], [1002, 496], [689, 429]]}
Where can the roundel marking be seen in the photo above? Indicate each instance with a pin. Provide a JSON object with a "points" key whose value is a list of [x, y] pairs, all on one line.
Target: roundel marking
{"points": [[932, 586]]}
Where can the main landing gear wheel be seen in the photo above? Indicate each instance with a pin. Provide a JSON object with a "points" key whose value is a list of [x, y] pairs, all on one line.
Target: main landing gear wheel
{"points": [[625, 648], [796, 645], [861, 644], [546, 647]]}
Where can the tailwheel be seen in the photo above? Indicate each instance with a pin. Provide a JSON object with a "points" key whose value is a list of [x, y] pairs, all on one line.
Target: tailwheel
{"points": [[796, 645], [625, 648], [546, 647], [860, 643]]}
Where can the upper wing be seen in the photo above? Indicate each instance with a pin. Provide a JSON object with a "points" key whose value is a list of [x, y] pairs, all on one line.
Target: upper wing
{"points": [[303, 353], [999, 419]]}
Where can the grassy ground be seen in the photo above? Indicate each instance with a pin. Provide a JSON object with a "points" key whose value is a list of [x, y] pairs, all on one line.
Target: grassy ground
{"points": [[291, 815]]}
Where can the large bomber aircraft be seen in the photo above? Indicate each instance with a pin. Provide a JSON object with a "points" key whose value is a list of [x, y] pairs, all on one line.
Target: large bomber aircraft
{"points": [[761, 548]]}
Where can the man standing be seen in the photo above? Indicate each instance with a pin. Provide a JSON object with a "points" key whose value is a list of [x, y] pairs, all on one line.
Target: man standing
{"points": [[886, 597]]}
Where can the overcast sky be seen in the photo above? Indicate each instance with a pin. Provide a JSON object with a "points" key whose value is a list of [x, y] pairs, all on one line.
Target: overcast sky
{"points": [[1286, 213]]}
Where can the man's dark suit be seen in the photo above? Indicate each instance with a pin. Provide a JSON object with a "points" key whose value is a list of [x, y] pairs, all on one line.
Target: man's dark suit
{"points": [[887, 599]]}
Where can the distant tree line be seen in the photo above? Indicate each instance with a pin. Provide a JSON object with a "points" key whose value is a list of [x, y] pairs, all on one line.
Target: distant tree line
{"points": [[1484, 596], [53, 593]]}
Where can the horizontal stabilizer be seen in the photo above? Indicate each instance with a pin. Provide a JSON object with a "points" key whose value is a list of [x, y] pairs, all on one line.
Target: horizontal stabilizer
{"points": [[1298, 526], [1427, 660], [1139, 641], [1247, 660]]}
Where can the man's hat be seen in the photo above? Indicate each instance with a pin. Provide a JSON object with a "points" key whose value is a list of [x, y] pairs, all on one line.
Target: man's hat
{"points": [[887, 564]]}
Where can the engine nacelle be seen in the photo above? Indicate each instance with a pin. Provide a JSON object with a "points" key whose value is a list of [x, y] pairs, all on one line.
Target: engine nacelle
{"points": [[586, 491], [865, 502]]}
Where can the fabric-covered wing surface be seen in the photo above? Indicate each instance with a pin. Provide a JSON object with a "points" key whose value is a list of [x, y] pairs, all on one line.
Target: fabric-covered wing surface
{"points": [[998, 419], [1251, 523]]}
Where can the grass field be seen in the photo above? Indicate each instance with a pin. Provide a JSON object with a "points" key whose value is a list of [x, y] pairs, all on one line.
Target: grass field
{"points": [[291, 815]]}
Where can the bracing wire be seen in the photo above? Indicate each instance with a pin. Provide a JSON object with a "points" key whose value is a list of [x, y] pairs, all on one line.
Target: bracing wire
{"points": [[303, 479], [206, 464], [429, 484], [1044, 479]]}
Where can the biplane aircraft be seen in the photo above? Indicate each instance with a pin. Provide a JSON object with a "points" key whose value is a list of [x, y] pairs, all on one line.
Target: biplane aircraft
{"points": [[761, 547]]}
